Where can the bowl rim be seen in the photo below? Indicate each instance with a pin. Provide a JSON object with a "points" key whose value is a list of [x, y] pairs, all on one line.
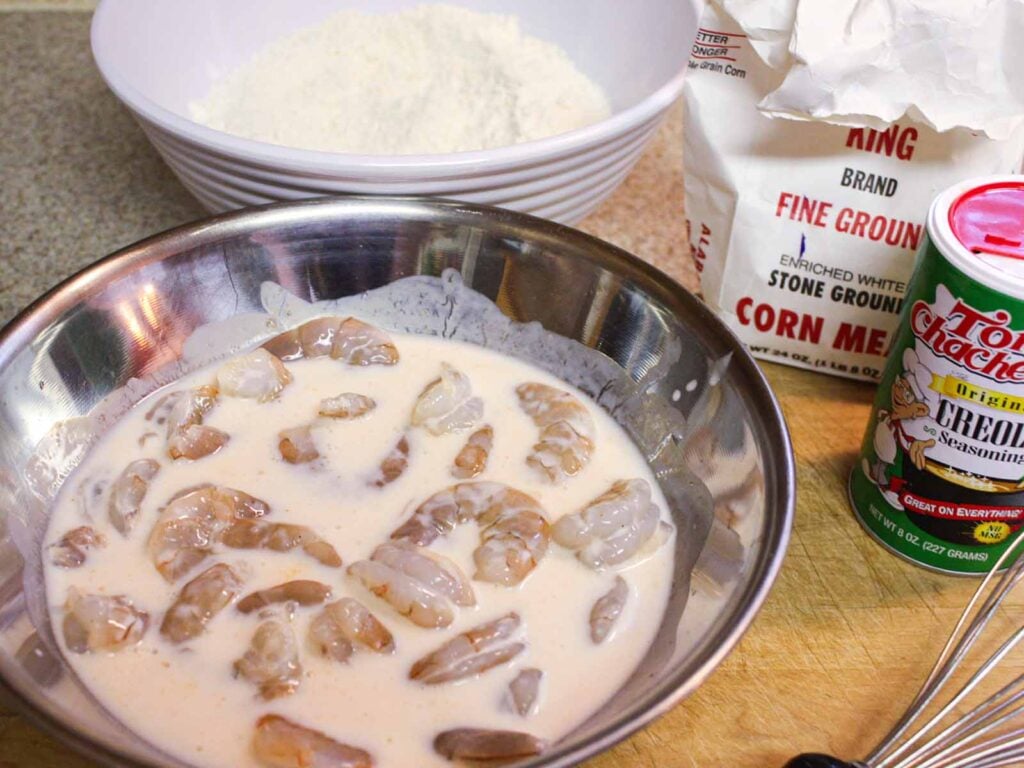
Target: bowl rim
{"points": [[780, 471], [372, 167]]}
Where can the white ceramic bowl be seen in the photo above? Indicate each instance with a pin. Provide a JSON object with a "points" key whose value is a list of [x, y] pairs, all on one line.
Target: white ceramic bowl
{"points": [[159, 55]]}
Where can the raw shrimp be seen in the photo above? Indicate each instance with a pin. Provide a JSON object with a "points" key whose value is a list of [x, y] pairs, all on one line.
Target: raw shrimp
{"points": [[607, 610], [566, 430], [347, 405], [90, 494], [447, 404], [301, 591], [472, 459], [514, 532], [524, 690], [187, 436], [512, 544], [345, 622], [359, 343], [471, 652], [611, 528], [272, 660], [416, 601], [128, 492], [101, 622], [430, 569], [394, 464], [161, 409], [256, 375], [484, 744], [199, 601], [280, 537], [297, 446], [314, 338], [661, 535], [280, 743], [70, 550], [349, 340], [196, 441], [190, 524]]}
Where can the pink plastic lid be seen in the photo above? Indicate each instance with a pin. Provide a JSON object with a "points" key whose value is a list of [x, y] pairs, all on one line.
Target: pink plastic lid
{"points": [[990, 219]]}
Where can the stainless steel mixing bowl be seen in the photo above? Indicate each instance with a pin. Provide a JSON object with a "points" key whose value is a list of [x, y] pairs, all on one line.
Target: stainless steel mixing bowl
{"points": [[679, 382]]}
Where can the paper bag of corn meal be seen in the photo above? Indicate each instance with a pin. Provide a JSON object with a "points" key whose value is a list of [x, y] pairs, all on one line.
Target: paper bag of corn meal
{"points": [[817, 132]]}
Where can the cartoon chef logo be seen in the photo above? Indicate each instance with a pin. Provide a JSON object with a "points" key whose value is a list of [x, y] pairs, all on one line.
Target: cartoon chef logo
{"points": [[893, 444]]}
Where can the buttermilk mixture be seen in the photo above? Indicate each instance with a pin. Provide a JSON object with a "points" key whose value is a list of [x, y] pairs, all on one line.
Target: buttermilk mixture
{"points": [[348, 548]]}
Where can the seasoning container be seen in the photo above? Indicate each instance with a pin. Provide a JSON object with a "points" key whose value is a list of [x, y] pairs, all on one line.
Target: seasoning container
{"points": [[941, 475]]}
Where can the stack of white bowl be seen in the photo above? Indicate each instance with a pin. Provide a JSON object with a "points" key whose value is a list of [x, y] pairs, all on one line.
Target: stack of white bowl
{"points": [[160, 55]]}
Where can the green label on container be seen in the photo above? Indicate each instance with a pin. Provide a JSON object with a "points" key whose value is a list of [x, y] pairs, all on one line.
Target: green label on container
{"points": [[941, 474]]}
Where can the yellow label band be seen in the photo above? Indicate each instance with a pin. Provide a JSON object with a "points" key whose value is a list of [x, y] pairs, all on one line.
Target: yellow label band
{"points": [[991, 533], [958, 389]]}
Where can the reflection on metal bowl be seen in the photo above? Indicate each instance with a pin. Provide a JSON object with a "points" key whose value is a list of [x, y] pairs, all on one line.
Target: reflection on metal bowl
{"points": [[677, 380]]}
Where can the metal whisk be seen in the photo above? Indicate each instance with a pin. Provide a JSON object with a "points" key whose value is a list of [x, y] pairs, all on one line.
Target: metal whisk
{"points": [[987, 736]]}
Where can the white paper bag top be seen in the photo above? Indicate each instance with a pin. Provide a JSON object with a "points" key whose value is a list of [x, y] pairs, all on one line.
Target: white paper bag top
{"points": [[946, 63]]}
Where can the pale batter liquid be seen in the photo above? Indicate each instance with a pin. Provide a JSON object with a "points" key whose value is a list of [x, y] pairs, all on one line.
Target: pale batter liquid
{"points": [[185, 699]]}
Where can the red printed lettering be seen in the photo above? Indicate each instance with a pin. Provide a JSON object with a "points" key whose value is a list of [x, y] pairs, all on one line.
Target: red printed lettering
{"points": [[779, 322], [892, 142]]}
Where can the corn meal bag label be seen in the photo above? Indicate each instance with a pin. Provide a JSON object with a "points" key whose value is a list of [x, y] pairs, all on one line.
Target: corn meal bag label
{"points": [[804, 233]]}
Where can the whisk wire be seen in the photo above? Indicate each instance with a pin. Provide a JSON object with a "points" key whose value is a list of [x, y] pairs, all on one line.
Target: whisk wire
{"points": [[1014, 757], [947, 662], [955, 753], [995, 749], [954, 740], [969, 686], [983, 719], [974, 619]]}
